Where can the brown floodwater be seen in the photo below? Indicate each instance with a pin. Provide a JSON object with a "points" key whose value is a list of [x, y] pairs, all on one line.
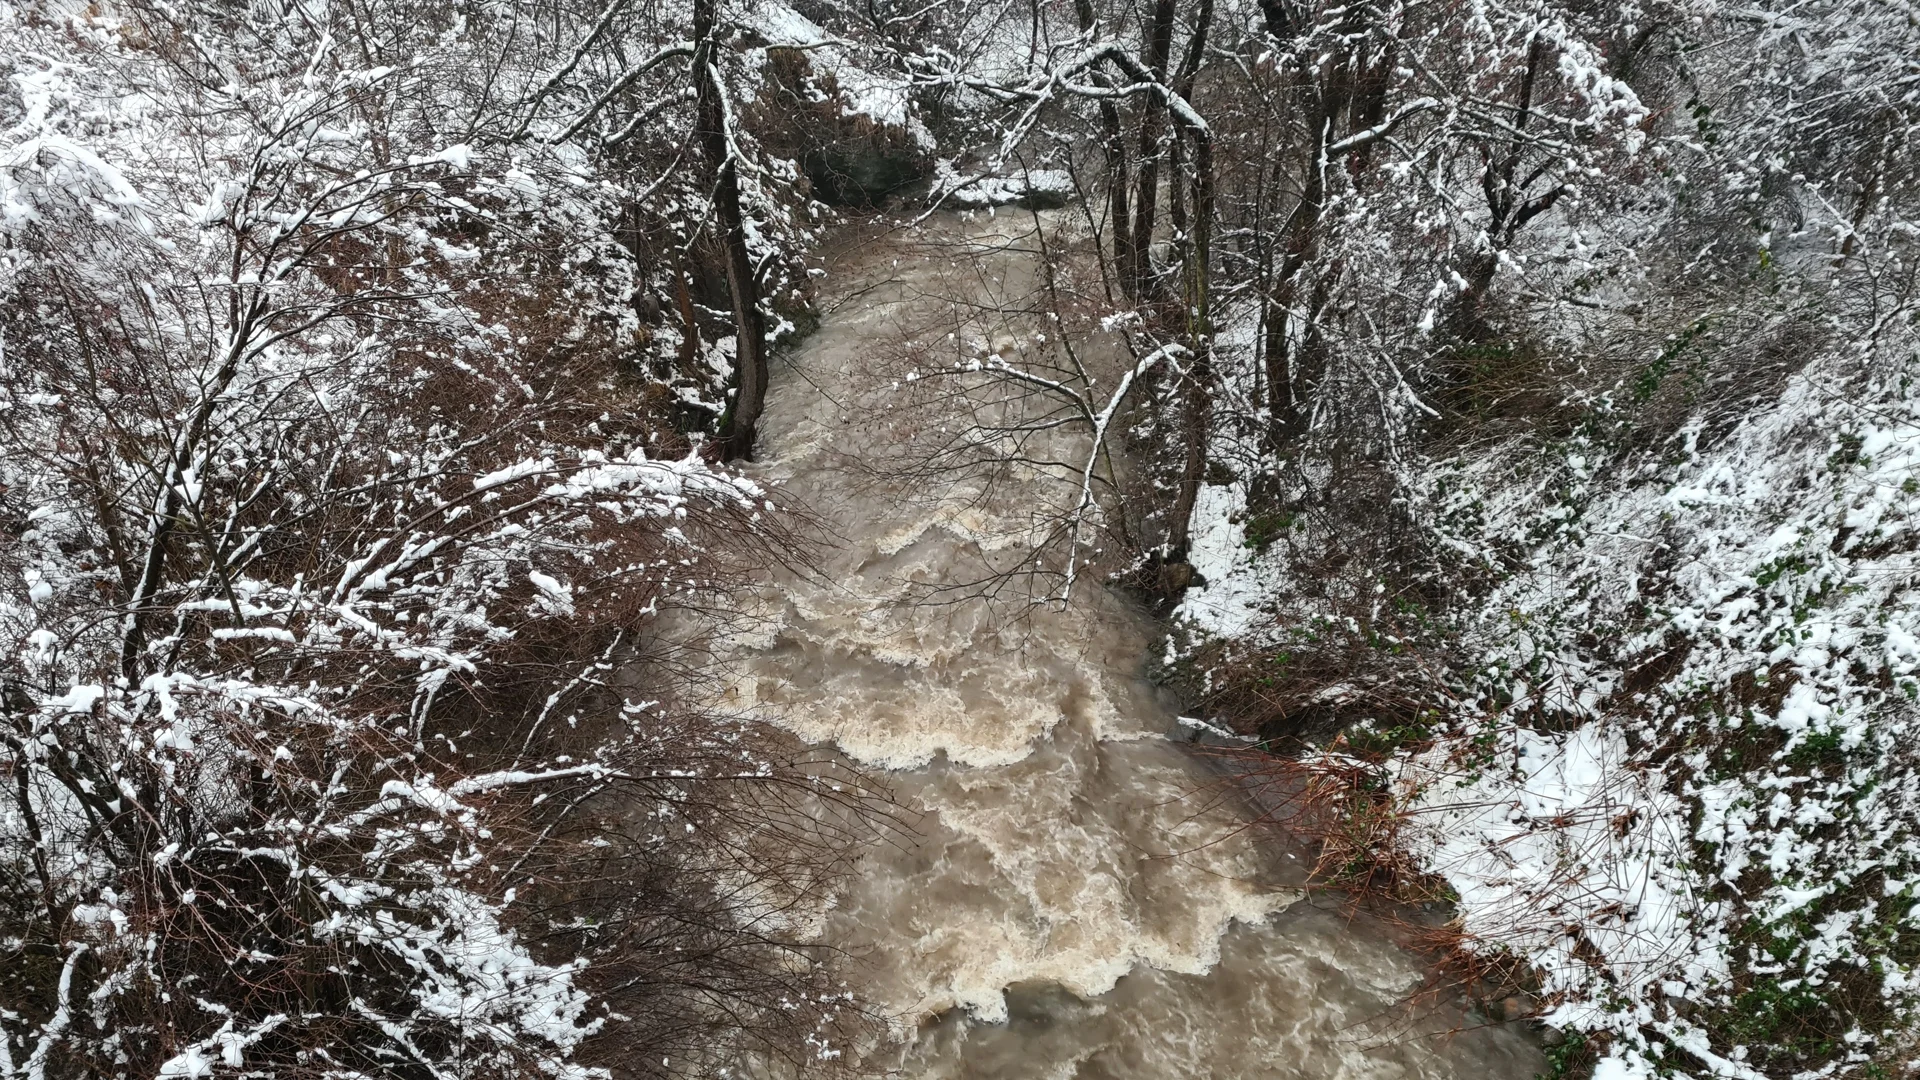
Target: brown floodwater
{"points": [[1082, 896]]}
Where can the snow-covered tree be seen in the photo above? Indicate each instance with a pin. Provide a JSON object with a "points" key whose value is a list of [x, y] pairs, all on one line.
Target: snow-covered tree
{"points": [[343, 470]]}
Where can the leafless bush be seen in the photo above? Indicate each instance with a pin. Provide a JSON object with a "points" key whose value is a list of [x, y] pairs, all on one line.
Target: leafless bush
{"points": [[335, 736]]}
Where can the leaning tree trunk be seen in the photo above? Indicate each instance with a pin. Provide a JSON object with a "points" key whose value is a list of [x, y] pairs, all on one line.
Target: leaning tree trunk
{"points": [[1196, 421], [713, 128], [1289, 362]]}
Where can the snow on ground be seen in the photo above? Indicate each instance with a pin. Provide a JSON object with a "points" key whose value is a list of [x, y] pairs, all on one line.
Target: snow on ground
{"points": [[1678, 775], [884, 97], [1227, 600]]}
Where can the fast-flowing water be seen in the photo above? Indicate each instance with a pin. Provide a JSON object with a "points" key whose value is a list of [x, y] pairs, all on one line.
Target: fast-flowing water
{"points": [[1081, 899]]}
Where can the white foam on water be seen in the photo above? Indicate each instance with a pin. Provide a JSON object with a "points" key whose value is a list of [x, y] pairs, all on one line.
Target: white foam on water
{"points": [[1084, 898]]}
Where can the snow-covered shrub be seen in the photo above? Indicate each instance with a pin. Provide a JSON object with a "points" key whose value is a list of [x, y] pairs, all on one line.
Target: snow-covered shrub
{"points": [[340, 490], [1606, 625]]}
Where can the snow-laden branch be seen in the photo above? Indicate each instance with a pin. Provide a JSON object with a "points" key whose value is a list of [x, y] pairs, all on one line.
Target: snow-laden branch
{"points": [[580, 53], [1099, 423], [619, 86], [57, 1024], [1095, 417], [1362, 139]]}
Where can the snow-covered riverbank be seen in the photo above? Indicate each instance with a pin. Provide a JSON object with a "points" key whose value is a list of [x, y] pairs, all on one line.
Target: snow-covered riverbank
{"points": [[1670, 759]]}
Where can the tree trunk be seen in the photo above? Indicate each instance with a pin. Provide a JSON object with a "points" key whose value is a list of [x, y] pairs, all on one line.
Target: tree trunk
{"points": [[1113, 146], [713, 129], [1196, 422], [1326, 94], [1117, 205], [1153, 125], [1277, 356], [1184, 80]]}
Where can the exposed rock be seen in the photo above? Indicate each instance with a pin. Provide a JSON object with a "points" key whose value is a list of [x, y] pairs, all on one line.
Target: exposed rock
{"points": [[857, 162]]}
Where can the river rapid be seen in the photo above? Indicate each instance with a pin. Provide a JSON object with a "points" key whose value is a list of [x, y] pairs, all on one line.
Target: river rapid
{"points": [[1081, 897]]}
